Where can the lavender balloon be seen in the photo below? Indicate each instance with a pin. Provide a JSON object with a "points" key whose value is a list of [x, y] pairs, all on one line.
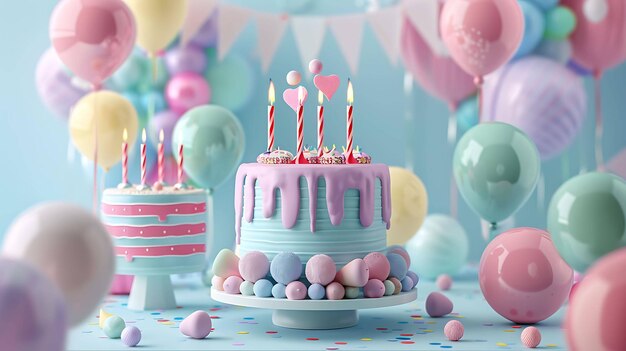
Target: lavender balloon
{"points": [[539, 96], [55, 87], [189, 58], [33, 309], [165, 121]]}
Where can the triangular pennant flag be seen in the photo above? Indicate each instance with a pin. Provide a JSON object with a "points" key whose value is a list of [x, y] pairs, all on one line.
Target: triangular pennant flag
{"points": [[270, 31], [386, 24], [348, 31], [424, 15], [198, 12], [231, 22], [309, 35]]}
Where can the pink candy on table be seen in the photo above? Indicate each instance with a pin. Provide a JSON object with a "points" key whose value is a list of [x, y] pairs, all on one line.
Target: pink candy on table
{"points": [[254, 266], [232, 284], [438, 305], [197, 325], [296, 291], [531, 337], [374, 288], [378, 265], [335, 291], [454, 330], [320, 269], [444, 282], [354, 274]]}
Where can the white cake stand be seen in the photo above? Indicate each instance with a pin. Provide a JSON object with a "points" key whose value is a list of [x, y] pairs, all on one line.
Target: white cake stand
{"points": [[314, 314]]}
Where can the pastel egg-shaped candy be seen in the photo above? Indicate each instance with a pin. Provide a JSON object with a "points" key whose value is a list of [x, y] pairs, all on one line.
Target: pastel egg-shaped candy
{"points": [[254, 266], [444, 282], [296, 290], [354, 274], [113, 327], [374, 288], [294, 78], [320, 269], [232, 284], [352, 292], [531, 337], [279, 291], [397, 249], [263, 288], [438, 305], [389, 287], [315, 66], [414, 277], [407, 284], [286, 267], [397, 284], [131, 336], [218, 283], [454, 330], [316, 291], [335, 291], [378, 265], [226, 264], [246, 288], [398, 266], [197, 325]]}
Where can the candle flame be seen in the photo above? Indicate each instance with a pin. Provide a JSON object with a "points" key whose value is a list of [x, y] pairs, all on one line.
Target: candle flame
{"points": [[271, 93], [350, 93], [143, 136], [300, 95], [320, 97], [161, 136], [125, 135]]}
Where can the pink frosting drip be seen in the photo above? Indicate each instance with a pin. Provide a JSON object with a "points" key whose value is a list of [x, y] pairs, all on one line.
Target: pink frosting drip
{"points": [[286, 178]]}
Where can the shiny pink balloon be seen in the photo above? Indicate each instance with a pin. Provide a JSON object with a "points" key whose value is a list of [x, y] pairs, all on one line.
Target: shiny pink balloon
{"points": [[601, 45], [187, 90], [482, 35], [522, 276], [438, 75], [595, 317], [92, 37]]}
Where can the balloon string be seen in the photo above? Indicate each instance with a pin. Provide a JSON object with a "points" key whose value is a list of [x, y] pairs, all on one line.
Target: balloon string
{"points": [[599, 127], [452, 125], [479, 84], [94, 205], [454, 197]]}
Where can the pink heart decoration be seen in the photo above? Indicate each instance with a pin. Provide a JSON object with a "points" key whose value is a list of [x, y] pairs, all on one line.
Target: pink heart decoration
{"points": [[291, 97], [327, 84]]}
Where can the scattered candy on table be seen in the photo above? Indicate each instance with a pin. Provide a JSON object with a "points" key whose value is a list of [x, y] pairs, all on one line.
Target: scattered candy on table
{"points": [[197, 325], [131, 336], [438, 304], [113, 327], [531, 337], [454, 330], [444, 282]]}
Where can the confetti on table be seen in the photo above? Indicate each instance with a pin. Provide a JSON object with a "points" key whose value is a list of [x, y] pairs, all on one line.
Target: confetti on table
{"points": [[366, 339], [243, 332], [312, 339], [501, 344]]}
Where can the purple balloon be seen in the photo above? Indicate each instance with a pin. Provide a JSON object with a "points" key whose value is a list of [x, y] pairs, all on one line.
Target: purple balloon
{"points": [[187, 90], [33, 309], [541, 97], [165, 121], [207, 34], [189, 58], [55, 86]]}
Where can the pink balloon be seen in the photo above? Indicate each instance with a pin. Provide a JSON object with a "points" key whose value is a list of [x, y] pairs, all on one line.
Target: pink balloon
{"points": [[92, 37], [438, 75], [595, 317], [482, 35], [602, 45], [522, 276], [187, 90]]}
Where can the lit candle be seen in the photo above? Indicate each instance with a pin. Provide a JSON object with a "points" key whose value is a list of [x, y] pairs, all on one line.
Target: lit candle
{"points": [[143, 158], [124, 159], [270, 116], [349, 136], [320, 123], [300, 128], [161, 156], [180, 161]]}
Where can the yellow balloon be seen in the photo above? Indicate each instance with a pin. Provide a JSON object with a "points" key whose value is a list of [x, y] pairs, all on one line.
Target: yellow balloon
{"points": [[106, 114], [409, 205], [158, 22]]}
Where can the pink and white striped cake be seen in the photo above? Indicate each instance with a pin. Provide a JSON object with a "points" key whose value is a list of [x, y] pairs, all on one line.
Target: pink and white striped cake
{"points": [[156, 232]]}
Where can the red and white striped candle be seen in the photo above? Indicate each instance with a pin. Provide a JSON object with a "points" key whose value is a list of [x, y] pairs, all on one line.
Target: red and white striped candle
{"points": [[320, 123], [271, 94], [180, 160], [143, 157], [161, 156], [125, 157], [300, 126], [349, 119]]}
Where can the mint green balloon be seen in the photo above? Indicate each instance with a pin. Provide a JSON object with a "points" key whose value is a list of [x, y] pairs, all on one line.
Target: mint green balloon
{"points": [[587, 218], [496, 168], [560, 23], [233, 79], [213, 144]]}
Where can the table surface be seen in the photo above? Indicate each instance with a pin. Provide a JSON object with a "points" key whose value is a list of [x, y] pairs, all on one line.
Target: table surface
{"points": [[404, 327]]}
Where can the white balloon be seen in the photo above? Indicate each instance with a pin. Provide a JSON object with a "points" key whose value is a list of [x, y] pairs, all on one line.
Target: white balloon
{"points": [[71, 247], [595, 10], [440, 246]]}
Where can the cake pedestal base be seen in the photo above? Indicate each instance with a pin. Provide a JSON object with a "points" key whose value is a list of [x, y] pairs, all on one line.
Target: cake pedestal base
{"points": [[315, 319], [153, 292]]}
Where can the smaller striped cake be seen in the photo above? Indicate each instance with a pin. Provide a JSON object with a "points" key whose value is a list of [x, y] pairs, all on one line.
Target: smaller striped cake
{"points": [[156, 232]]}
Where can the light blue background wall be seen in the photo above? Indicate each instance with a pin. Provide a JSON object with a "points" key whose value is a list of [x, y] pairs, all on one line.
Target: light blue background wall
{"points": [[34, 143]]}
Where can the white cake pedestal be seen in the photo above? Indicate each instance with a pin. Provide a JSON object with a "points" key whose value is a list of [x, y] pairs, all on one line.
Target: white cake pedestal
{"points": [[152, 292], [314, 314]]}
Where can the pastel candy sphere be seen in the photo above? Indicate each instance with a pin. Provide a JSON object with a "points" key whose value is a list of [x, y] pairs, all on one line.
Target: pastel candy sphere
{"points": [[389, 287], [246, 288], [113, 327], [351, 292], [444, 282], [286, 267], [374, 288], [407, 284], [254, 266], [279, 291], [294, 78], [438, 305], [320, 269], [217, 283], [232, 284], [315, 66], [397, 284], [296, 291], [531, 337], [354, 274], [131, 336], [398, 266], [523, 277], [454, 330], [335, 291], [378, 265], [197, 325], [316, 291], [397, 249], [226, 264], [263, 288], [414, 277]]}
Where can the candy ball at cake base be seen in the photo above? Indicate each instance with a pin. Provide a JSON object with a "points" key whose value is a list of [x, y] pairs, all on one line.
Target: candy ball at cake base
{"points": [[217, 283], [414, 277], [444, 282], [351, 292], [232, 284], [263, 288], [316, 292], [438, 304], [530, 337], [320, 269], [398, 266], [389, 287], [246, 288], [354, 274], [197, 325], [397, 284], [397, 249], [279, 291], [407, 284], [113, 327], [374, 288], [522, 276], [226, 264], [254, 266], [286, 267], [131, 336], [296, 291], [378, 265], [454, 330], [335, 291]]}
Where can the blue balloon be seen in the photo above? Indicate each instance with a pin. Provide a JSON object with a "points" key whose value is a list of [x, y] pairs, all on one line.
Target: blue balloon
{"points": [[233, 82], [534, 26], [130, 73], [467, 114], [545, 5], [135, 99]]}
